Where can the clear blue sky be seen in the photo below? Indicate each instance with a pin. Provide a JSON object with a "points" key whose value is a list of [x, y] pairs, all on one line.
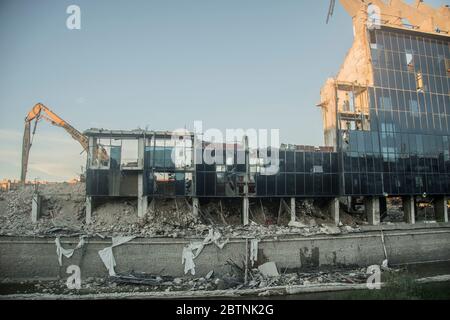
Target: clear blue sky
{"points": [[163, 64]]}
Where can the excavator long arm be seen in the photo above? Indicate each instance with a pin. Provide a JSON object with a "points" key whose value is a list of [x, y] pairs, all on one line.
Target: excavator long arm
{"points": [[38, 112]]}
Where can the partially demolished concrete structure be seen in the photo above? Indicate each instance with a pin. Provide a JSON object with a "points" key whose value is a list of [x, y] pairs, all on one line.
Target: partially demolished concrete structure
{"points": [[386, 119], [158, 171], [387, 112]]}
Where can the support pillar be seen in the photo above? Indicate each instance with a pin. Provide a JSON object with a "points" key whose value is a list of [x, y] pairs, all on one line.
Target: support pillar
{"points": [[293, 215], [142, 198], [35, 207], [372, 207], [142, 206], [88, 210], [245, 211], [409, 209], [333, 208], [441, 209], [195, 207], [246, 201]]}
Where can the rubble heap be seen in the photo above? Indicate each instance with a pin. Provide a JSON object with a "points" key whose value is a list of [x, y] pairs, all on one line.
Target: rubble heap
{"points": [[63, 205], [63, 213], [140, 283]]}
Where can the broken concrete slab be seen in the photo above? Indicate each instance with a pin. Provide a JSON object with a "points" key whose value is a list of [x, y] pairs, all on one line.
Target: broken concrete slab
{"points": [[297, 224], [269, 269], [330, 229]]}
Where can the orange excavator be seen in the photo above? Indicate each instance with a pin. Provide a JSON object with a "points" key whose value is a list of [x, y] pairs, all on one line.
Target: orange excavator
{"points": [[39, 112]]}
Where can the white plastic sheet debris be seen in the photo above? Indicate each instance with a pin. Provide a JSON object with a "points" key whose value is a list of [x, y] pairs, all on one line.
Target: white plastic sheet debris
{"points": [[107, 255], [60, 251], [193, 250], [269, 269], [254, 251], [187, 258]]}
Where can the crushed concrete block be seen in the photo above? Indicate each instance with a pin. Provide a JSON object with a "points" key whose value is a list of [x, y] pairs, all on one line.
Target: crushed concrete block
{"points": [[330, 229], [269, 269], [297, 224]]}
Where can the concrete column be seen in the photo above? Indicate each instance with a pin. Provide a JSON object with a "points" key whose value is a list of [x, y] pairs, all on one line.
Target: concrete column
{"points": [[409, 209], [35, 207], [245, 211], [142, 206], [142, 199], [441, 209], [333, 208], [88, 210], [293, 216], [372, 206], [246, 201], [141, 152], [195, 207]]}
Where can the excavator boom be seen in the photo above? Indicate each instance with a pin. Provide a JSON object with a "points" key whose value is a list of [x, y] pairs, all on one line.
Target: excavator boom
{"points": [[39, 111]]}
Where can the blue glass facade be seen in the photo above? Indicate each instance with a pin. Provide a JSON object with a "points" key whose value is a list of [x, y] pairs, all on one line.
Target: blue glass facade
{"points": [[407, 148]]}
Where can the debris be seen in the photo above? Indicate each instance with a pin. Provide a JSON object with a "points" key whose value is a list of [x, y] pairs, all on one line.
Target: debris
{"points": [[263, 284], [209, 275], [384, 249], [141, 279], [107, 254], [269, 269], [129, 282], [330, 229], [254, 251], [385, 265], [237, 270], [60, 251], [63, 213], [187, 258], [214, 237], [297, 224], [188, 255]]}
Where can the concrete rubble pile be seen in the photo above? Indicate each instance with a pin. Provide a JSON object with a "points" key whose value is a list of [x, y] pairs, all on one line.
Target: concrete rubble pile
{"points": [[62, 207], [234, 280], [63, 213]]}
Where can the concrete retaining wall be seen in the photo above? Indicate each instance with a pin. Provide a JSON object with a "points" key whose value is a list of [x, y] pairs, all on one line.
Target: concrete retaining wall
{"points": [[31, 258]]}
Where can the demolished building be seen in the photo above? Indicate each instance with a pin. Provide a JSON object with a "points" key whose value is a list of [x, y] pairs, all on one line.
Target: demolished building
{"points": [[154, 174], [386, 122], [387, 112], [386, 119]]}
